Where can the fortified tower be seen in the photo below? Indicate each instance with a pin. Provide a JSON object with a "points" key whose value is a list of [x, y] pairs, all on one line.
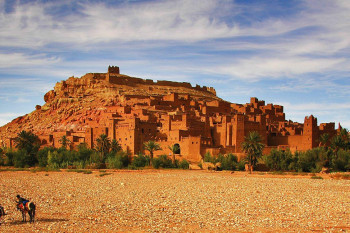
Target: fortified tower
{"points": [[113, 70], [310, 133]]}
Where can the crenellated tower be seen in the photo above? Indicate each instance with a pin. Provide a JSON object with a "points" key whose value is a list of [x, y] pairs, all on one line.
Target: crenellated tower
{"points": [[310, 133]]}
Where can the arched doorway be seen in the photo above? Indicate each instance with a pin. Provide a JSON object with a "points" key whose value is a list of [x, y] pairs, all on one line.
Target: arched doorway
{"points": [[178, 151]]}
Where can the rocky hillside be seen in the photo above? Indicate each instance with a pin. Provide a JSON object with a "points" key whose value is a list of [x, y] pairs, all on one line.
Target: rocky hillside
{"points": [[75, 102]]}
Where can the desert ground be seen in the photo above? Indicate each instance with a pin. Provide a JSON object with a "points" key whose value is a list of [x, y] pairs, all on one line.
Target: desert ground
{"points": [[176, 201]]}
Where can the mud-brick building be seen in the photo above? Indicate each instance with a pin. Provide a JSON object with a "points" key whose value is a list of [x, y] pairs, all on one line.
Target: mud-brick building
{"points": [[134, 111]]}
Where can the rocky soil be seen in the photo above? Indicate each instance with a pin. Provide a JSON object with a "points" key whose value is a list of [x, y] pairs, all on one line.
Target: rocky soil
{"points": [[175, 201]]}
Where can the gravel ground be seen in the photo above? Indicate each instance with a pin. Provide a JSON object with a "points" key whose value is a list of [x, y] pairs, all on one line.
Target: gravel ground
{"points": [[175, 201]]}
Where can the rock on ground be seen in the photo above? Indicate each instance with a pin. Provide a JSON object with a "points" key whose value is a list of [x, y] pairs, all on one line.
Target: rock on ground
{"points": [[175, 201]]}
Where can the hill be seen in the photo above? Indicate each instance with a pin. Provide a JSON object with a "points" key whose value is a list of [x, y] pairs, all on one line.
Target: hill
{"points": [[134, 110]]}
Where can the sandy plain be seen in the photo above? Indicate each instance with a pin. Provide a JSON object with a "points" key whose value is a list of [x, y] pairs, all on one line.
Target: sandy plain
{"points": [[176, 201]]}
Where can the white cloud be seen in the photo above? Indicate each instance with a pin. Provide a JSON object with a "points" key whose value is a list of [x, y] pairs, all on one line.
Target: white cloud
{"points": [[16, 60], [23, 85], [329, 107], [30, 25], [274, 67], [325, 112]]}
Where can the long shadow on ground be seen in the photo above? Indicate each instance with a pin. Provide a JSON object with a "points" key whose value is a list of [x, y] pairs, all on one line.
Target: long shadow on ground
{"points": [[19, 222]]}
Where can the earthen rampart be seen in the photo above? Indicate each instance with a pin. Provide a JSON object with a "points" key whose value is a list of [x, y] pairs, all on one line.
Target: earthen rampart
{"points": [[134, 111]]}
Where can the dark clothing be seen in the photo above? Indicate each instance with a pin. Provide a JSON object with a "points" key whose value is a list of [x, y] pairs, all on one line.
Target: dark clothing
{"points": [[2, 211], [23, 201]]}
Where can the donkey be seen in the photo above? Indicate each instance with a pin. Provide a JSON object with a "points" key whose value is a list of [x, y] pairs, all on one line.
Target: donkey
{"points": [[29, 208]]}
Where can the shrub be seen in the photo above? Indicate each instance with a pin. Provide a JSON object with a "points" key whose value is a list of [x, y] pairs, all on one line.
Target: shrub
{"points": [[23, 159], [42, 156], [200, 165], [209, 158], [114, 162], [316, 177], [307, 161], [105, 174], [54, 159], [162, 161], [140, 160], [118, 161], [342, 162], [241, 165], [96, 158], [184, 164], [79, 164], [228, 162], [279, 160], [84, 153]]}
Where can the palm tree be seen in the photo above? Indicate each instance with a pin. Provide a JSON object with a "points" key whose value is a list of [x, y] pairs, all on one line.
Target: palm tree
{"points": [[253, 147], [174, 150], [151, 146], [344, 133], [324, 138], [336, 144], [115, 146], [27, 141], [103, 145], [64, 142]]}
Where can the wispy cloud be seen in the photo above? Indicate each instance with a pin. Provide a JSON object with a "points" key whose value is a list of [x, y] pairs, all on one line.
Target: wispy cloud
{"points": [[10, 60], [337, 112], [256, 68], [24, 84], [31, 25], [222, 43]]}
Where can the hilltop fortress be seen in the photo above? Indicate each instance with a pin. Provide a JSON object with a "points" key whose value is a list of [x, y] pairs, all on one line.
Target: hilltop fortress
{"points": [[133, 111]]}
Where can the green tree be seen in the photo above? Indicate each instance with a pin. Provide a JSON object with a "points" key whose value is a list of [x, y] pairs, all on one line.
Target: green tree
{"points": [[115, 146], [337, 143], [344, 134], [103, 145], [253, 147], [324, 138], [84, 153], [27, 141], [174, 150], [151, 146], [42, 156], [65, 142]]}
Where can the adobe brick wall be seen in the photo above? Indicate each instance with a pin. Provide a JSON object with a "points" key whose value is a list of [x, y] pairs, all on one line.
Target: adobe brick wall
{"points": [[175, 113]]}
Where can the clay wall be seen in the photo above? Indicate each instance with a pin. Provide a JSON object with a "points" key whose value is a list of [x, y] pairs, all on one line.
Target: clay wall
{"points": [[125, 134], [46, 140], [294, 142], [250, 126], [124, 80], [144, 131], [206, 142], [238, 132], [171, 98], [173, 84], [214, 151], [191, 148], [327, 127]]}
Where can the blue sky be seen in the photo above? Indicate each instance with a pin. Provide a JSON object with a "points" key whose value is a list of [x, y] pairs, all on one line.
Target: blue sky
{"points": [[293, 53]]}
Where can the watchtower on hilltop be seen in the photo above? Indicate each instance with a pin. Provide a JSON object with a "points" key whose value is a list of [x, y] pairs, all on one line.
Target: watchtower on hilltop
{"points": [[113, 70]]}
